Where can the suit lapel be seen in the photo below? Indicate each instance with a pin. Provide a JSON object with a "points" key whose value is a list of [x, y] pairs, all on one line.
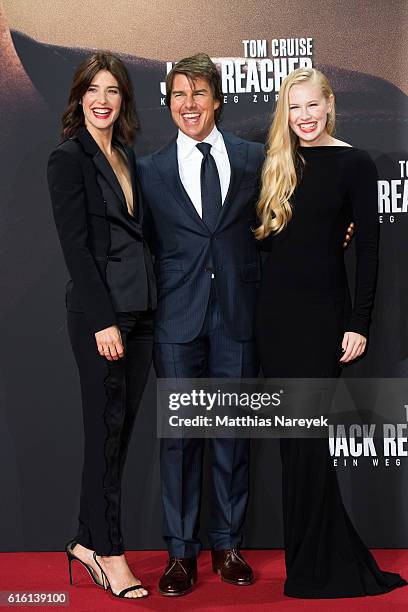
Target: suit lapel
{"points": [[91, 148], [106, 170], [237, 155], [137, 212], [167, 166]]}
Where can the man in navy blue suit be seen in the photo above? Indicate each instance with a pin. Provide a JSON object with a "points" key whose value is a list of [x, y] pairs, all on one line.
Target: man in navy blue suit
{"points": [[200, 192]]}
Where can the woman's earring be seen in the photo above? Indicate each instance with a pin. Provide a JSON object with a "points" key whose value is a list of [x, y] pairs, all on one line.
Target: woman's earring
{"points": [[80, 102]]}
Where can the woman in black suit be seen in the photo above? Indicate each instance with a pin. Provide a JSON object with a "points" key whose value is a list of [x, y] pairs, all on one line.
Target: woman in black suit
{"points": [[110, 299]]}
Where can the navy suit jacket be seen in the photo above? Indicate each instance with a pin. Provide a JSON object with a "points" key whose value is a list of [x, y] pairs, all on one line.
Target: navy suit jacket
{"points": [[187, 252]]}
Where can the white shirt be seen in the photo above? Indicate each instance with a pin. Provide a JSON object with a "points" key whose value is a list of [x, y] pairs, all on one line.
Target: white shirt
{"points": [[189, 165]]}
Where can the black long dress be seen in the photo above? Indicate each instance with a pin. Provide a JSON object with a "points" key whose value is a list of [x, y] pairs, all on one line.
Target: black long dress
{"points": [[303, 310]]}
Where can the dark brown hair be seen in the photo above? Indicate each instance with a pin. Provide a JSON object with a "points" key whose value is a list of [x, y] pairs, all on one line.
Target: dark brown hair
{"points": [[73, 117], [194, 67]]}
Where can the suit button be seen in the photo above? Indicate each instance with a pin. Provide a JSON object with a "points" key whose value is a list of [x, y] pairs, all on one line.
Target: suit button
{"points": [[219, 268]]}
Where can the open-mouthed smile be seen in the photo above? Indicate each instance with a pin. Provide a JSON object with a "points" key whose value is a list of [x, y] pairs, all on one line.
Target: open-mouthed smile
{"points": [[308, 127], [191, 118], [102, 113]]}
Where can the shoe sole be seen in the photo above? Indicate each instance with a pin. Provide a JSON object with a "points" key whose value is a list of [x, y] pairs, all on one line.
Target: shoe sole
{"points": [[247, 583], [176, 594], [237, 583]]}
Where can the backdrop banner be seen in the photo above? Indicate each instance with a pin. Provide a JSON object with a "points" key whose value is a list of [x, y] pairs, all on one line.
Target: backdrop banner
{"points": [[362, 47]]}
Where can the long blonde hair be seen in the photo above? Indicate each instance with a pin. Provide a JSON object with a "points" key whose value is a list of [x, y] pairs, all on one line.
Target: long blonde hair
{"points": [[279, 172]]}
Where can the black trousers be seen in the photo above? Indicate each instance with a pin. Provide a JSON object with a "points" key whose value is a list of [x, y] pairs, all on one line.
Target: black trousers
{"points": [[111, 393]]}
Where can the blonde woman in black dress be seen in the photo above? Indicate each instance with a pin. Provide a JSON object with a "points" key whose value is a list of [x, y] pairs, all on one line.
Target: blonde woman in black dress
{"points": [[312, 185]]}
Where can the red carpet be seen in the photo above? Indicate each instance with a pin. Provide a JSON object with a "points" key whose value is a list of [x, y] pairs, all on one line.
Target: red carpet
{"points": [[43, 572]]}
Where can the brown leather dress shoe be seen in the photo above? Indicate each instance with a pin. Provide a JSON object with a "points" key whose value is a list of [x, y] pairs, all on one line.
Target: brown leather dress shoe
{"points": [[231, 566], [179, 576]]}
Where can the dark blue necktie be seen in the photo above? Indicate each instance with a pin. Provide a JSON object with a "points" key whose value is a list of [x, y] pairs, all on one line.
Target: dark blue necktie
{"points": [[211, 198]]}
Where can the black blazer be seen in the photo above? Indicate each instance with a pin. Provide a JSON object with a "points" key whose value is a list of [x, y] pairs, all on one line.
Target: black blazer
{"points": [[83, 227]]}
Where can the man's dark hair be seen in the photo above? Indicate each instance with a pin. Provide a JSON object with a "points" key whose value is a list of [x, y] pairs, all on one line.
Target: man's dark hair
{"points": [[194, 67]]}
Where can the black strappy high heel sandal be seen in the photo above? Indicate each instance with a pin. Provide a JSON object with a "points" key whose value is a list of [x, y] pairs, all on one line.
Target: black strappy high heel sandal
{"points": [[71, 557], [122, 594]]}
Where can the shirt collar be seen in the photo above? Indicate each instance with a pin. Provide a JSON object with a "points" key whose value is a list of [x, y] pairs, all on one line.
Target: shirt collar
{"points": [[186, 145]]}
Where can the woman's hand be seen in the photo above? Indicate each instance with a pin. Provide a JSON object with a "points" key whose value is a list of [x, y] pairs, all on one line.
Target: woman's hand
{"points": [[109, 343], [353, 346]]}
